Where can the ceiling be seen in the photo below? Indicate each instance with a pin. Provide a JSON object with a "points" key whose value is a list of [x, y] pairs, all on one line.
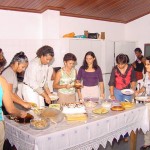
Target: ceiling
{"points": [[122, 11]]}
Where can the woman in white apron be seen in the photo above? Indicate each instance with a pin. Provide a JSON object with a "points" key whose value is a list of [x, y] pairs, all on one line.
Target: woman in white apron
{"points": [[35, 88]]}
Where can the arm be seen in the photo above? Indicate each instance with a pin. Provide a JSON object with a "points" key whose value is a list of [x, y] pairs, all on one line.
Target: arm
{"points": [[46, 96], [79, 76], [144, 62], [17, 99], [112, 84], [102, 95], [101, 83], [133, 80], [111, 89], [140, 91], [7, 101], [134, 64], [133, 85]]}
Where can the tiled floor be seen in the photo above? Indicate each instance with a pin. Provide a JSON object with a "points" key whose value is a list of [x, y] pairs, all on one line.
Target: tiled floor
{"points": [[121, 145]]}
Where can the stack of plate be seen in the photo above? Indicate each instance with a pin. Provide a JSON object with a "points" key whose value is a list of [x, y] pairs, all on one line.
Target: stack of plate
{"points": [[143, 98]]}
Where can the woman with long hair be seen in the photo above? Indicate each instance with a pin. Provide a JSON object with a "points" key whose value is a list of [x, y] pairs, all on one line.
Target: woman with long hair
{"points": [[91, 76], [17, 65], [5, 97]]}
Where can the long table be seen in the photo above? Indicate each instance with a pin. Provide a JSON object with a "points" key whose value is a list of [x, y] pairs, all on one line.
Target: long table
{"points": [[98, 129]]}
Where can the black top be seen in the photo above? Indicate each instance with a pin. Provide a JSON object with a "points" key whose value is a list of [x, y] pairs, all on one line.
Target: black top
{"points": [[139, 65]]}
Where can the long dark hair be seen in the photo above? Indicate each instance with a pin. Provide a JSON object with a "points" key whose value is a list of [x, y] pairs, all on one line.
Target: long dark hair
{"points": [[19, 57], [85, 65]]}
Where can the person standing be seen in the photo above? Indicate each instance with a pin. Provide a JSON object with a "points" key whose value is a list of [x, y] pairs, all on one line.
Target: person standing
{"points": [[35, 88], [91, 76], [64, 80], [5, 97], [122, 77], [17, 65], [139, 64], [146, 88]]}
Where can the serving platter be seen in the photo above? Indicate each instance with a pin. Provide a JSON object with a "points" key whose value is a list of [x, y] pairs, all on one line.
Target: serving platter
{"points": [[127, 105], [117, 108], [100, 111], [127, 91]]}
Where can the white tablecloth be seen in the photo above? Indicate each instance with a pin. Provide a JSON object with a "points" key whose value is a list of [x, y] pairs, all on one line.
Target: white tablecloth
{"points": [[78, 135]]}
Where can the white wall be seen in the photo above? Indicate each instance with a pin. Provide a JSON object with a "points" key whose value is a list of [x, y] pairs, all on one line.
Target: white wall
{"points": [[20, 31], [20, 25], [139, 30], [113, 31], [23, 31]]}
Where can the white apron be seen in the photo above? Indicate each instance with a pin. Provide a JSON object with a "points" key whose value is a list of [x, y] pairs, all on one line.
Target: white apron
{"points": [[90, 91], [30, 95]]}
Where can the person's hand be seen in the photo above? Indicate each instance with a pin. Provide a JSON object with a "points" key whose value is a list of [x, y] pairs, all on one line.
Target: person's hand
{"points": [[102, 96], [68, 86], [27, 105], [136, 93], [47, 99], [112, 97], [23, 114], [51, 94], [80, 97]]}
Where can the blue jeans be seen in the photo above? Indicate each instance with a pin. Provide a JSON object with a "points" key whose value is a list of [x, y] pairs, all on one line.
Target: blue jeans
{"points": [[121, 97]]}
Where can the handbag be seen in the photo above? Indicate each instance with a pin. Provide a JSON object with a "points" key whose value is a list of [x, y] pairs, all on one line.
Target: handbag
{"points": [[93, 35]]}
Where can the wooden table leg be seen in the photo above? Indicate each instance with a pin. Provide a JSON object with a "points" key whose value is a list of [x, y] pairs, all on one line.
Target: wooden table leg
{"points": [[133, 141]]}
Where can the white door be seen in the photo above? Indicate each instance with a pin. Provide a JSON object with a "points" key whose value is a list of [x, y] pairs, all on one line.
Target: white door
{"points": [[109, 56], [98, 51], [79, 47]]}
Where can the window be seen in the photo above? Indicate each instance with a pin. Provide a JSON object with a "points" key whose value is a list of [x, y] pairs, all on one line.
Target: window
{"points": [[146, 50]]}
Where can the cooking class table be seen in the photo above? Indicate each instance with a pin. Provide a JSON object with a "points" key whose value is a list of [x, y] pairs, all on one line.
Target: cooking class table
{"points": [[98, 129]]}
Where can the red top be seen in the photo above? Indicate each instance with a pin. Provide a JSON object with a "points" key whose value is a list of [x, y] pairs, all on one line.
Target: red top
{"points": [[122, 81]]}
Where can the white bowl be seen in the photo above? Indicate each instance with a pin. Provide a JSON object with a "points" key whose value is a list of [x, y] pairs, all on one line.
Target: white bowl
{"points": [[127, 91]]}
